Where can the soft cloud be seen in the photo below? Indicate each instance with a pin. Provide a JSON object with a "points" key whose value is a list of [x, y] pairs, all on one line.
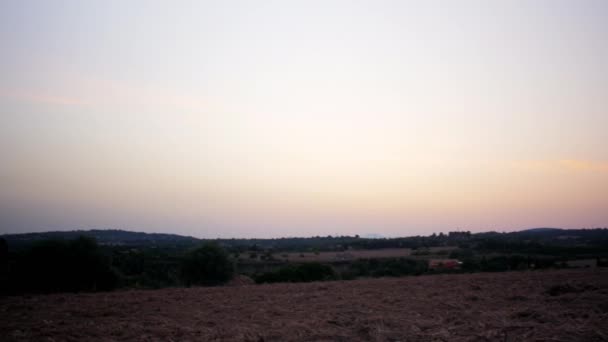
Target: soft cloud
{"points": [[584, 165], [564, 165]]}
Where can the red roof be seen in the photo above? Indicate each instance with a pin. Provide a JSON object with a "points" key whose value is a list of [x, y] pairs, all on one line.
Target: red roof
{"points": [[444, 263]]}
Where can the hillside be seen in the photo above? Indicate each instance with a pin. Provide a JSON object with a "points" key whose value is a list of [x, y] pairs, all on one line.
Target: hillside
{"points": [[110, 237]]}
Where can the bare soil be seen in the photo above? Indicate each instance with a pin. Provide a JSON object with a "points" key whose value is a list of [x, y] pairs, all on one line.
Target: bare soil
{"points": [[570, 305]]}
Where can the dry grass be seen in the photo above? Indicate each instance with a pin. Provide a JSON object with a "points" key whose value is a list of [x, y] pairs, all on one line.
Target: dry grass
{"points": [[516, 306]]}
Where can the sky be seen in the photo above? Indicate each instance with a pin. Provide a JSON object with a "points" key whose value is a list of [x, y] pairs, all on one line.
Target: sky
{"points": [[302, 118]]}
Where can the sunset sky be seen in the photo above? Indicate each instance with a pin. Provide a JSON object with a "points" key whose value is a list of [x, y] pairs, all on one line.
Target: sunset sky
{"points": [[301, 118]]}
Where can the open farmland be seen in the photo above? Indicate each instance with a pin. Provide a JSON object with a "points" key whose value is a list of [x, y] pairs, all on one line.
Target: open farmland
{"points": [[340, 255], [348, 255], [544, 305]]}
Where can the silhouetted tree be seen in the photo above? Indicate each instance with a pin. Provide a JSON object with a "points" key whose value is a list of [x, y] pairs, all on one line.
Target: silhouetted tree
{"points": [[3, 265], [206, 265]]}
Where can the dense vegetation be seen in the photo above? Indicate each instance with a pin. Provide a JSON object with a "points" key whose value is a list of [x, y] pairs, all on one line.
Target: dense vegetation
{"points": [[206, 265], [57, 266], [82, 265], [104, 260]]}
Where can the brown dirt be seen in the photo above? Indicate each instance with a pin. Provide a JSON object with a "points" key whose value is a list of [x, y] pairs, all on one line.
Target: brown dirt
{"points": [[516, 306]]}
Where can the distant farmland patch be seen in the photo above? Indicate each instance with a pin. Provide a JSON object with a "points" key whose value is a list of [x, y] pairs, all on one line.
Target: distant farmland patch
{"points": [[332, 256]]}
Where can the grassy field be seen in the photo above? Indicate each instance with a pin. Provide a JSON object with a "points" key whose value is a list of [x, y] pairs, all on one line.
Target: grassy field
{"points": [[567, 305]]}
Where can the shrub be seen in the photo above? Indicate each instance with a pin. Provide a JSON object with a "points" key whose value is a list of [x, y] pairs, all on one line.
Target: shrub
{"points": [[206, 265]]}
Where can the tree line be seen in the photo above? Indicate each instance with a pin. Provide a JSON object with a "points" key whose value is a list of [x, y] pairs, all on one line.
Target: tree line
{"points": [[81, 265]]}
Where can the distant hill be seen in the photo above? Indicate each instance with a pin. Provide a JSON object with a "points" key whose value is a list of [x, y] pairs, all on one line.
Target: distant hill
{"points": [[553, 236], [112, 237], [373, 236], [541, 230]]}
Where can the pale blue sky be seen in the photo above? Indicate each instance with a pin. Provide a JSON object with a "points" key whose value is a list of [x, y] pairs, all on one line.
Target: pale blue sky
{"points": [[271, 118]]}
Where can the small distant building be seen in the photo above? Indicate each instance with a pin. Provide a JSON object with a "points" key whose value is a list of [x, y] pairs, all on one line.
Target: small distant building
{"points": [[444, 264]]}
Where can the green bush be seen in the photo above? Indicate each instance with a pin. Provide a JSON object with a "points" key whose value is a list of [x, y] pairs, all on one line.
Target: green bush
{"points": [[206, 265]]}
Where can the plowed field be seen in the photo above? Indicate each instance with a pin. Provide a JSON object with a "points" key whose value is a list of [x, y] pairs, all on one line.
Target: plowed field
{"points": [[515, 306]]}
